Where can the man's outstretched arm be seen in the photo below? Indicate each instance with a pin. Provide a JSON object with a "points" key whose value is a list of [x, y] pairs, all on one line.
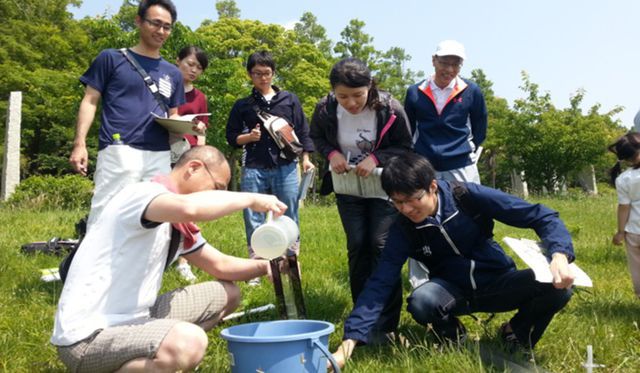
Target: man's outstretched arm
{"points": [[208, 205], [227, 267]]}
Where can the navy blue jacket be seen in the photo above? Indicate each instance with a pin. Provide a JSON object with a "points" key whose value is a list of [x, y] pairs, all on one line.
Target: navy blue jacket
{"points": [[455, 249], [446, 139], [243, 118]]}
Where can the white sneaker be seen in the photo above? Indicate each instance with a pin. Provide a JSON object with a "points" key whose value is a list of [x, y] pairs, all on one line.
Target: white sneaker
{"points": [[50, 274], [254, 281], [185, 272]]}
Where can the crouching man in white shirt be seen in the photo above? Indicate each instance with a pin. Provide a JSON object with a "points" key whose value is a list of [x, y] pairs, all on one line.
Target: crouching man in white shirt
{"points": [[110, 316]]}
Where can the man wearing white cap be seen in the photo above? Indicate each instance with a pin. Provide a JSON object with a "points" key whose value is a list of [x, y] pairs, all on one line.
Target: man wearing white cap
{"points": [[448, 119], [448, 116]]}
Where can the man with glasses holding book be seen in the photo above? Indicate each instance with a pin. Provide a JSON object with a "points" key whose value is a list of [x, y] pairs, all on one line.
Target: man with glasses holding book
{"points": [[131, 84]]}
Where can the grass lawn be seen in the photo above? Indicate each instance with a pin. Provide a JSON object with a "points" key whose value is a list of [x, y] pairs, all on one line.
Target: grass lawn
{"points": [[605, 316]]}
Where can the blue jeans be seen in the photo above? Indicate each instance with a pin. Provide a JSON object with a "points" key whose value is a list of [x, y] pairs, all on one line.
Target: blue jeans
{"points": [[366, 223], [280, 181], [438, 302]]}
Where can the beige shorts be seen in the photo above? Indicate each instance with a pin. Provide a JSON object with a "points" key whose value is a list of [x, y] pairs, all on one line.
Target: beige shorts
{"points": [[108, 349]]}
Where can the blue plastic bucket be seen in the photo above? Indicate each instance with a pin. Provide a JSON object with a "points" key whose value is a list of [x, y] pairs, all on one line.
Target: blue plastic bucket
{"points": [[280, 346]]}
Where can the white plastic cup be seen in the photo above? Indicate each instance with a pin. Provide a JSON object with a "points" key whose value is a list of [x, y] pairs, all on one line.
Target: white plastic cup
{"points": [[271, 239]]}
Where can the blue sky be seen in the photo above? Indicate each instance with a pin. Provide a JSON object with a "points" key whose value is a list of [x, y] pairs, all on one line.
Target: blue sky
{"points": [[563, 45]]}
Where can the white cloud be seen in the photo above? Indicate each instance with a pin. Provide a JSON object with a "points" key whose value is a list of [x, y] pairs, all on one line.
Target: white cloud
{"points": [[289, 25]]}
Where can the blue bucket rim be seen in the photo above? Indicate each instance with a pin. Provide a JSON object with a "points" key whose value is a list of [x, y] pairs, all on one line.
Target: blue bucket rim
{"points": [[328, 329]]}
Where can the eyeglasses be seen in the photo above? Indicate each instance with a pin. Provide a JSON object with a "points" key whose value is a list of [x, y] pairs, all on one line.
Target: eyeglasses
{"points": [[445, 64], [409, 200], [216, 185], [158, 24], [259, 74]]}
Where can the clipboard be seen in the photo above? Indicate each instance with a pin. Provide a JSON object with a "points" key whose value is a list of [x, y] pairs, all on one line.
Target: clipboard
{"points": [[305, 183], [182, 126]]}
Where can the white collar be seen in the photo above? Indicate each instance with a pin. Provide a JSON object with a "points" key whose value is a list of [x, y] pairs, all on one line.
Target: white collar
{"points": [[451, 85]]}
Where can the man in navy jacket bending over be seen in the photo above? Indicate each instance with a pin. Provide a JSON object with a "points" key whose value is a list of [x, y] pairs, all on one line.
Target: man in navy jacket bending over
{"points": [[469, 271]]}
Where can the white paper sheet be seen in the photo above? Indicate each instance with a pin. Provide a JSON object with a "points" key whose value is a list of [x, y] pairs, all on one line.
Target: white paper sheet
{"points": [[531, 253], [351, 184]]}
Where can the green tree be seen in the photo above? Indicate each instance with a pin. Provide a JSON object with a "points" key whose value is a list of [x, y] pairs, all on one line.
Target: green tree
{"points": [[388, 67], [229, 41], [54, 11], [356, 43], [304, 70], [126, 16], [227, 9], [301, 67], [551, 145], [307, 30], [104, 33], [42, 59], [392, 74], [494, 170]]}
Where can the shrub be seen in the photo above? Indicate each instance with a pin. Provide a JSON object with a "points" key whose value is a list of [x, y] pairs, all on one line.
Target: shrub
{"points": [[70, 192]]}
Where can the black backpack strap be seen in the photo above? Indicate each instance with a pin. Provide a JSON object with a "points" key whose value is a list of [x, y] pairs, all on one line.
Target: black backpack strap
{"points": [[468, 206], [461, 195], [174, 244], [254, 104], [153, 87]]}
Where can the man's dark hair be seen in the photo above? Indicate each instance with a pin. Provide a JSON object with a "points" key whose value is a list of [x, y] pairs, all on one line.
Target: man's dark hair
{"points": [[167, 4], [200, 55], [261, 58], [406, 174]]}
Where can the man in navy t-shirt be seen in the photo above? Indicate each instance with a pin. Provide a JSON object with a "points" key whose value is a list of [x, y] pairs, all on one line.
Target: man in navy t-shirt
{"points": [[127, 104]]}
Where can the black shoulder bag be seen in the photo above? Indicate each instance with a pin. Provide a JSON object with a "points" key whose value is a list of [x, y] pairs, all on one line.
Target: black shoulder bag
{"points": [[281, 131], [153, 87]]}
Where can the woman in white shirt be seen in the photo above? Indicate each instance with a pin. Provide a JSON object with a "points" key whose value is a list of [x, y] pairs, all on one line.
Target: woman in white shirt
{"points": [[627, 150], [357, 128]]}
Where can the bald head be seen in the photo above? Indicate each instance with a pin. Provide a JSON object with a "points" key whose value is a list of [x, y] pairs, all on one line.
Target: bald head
{"points": [[205, 153], [201, 168]]}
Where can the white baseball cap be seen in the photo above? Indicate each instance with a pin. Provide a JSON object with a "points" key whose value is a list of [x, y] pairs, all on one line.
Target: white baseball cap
{"points": [[450, 48]]}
